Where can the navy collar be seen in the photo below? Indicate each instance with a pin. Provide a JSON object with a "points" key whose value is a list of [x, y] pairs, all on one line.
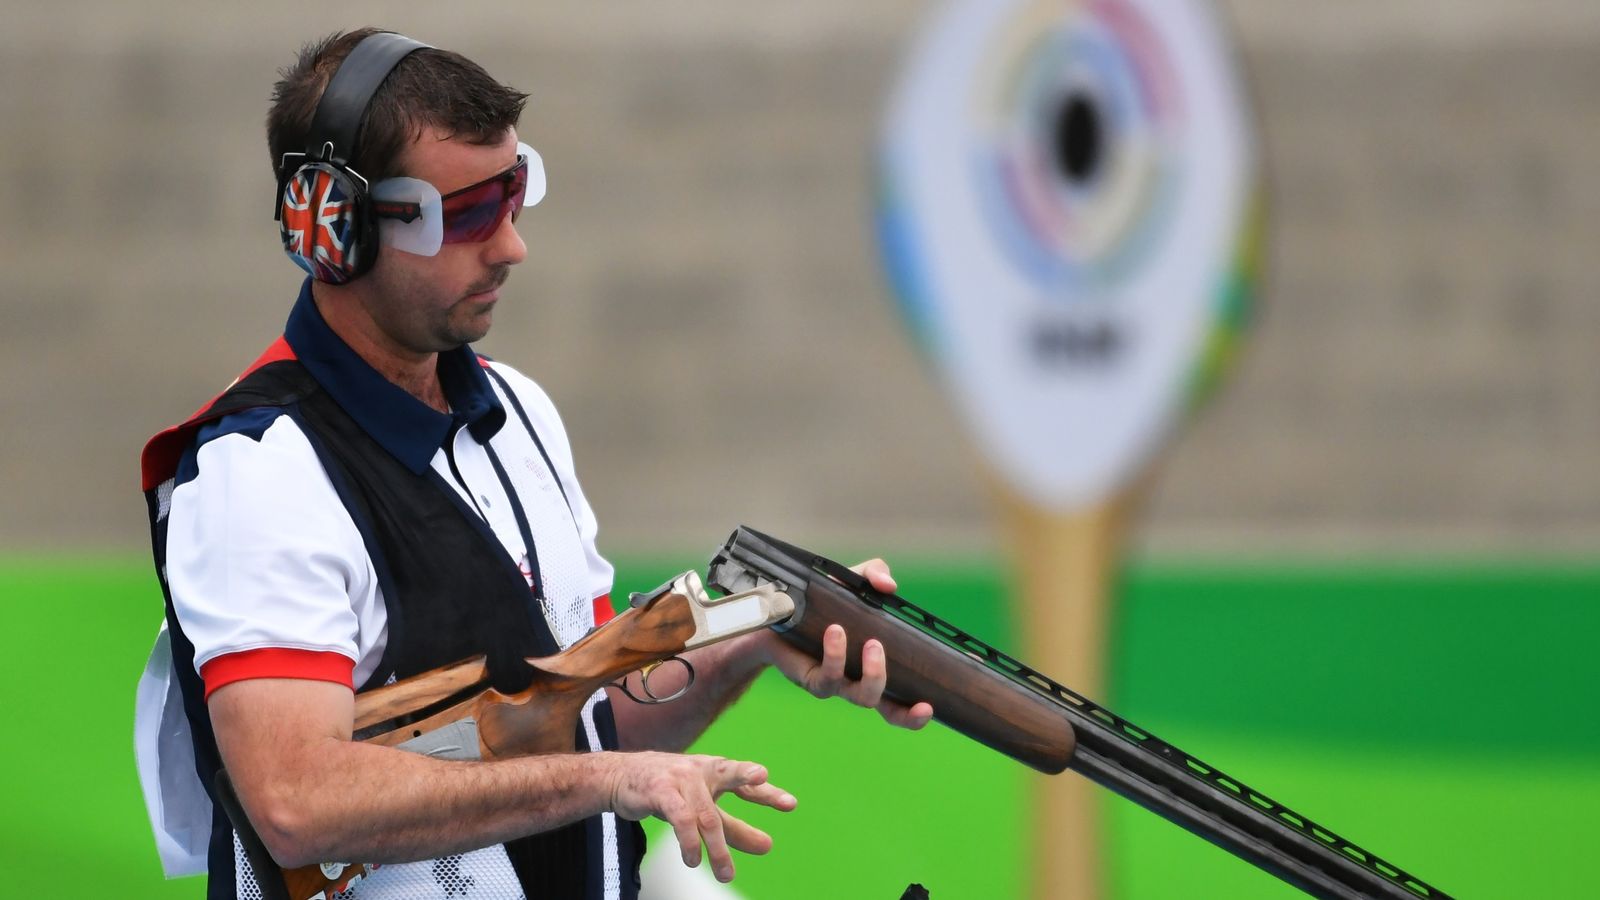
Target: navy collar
{"points": [[403, 425]]}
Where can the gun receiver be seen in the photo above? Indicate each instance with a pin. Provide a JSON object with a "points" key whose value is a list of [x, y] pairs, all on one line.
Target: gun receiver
{"points": [[453, 713], [1003, 704]]}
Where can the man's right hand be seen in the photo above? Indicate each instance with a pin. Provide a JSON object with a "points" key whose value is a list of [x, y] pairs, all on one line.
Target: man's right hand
{"points": [[683, 791]]}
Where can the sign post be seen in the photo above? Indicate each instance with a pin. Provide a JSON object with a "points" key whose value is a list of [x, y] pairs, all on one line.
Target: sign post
{"points": [[1068, 206]]}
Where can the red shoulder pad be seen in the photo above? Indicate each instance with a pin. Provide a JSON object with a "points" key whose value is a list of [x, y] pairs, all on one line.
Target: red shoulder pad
{"points": [[159, 461]]}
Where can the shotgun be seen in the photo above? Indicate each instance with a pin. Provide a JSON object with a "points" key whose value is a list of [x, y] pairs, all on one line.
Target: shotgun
{"points": [[1003, 704], [453, 713]]}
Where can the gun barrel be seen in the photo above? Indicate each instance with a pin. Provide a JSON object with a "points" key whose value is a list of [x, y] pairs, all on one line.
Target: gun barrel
{"points": [[929, 653]]}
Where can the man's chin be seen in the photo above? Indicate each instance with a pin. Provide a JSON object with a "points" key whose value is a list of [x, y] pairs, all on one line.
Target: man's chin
{"points": [[474, 335], [474, 324]]}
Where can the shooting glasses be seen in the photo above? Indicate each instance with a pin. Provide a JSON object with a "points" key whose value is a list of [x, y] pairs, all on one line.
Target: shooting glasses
{"points": [[414, 217]]}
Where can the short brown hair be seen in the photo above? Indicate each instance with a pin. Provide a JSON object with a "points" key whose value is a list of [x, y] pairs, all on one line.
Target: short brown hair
{"points": [[429, 88]]}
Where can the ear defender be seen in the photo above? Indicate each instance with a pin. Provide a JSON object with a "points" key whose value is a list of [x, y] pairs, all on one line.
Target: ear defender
{"points": [[321, 222], [324, 210]]}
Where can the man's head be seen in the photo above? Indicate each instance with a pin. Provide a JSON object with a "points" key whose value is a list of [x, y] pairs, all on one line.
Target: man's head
{"points": [[429, 89], [439, 118]]}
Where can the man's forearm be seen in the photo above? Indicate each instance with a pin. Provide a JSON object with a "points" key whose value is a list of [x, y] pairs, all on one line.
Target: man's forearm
{"points": [[374, 804], [315, 796]]}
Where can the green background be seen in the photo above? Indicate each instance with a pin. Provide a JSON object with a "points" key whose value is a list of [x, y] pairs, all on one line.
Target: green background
{"points": [[1442, 714]]}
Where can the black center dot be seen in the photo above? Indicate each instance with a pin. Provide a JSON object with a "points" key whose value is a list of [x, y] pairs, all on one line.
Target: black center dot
{"points": [[1079, 138]]}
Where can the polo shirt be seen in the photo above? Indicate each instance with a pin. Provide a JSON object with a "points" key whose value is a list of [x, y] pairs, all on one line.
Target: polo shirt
{"points": [[270, 577]]}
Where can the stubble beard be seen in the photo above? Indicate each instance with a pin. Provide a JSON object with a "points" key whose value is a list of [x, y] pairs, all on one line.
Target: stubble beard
{"points": [[480, 316], [419, 317]]}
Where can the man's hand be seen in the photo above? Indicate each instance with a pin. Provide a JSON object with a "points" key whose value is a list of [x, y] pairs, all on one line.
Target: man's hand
{"points": [[826, 678], [683, 790]]}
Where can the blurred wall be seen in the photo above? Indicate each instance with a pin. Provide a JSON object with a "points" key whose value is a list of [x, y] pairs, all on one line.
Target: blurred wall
{"points": [[702, 297]]}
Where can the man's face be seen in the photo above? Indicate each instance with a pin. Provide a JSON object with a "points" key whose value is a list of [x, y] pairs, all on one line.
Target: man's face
{"points": [[428, 304]]}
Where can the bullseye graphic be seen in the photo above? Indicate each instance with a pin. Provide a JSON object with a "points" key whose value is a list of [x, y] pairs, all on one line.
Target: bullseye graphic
{"points": [[1078, 133]]}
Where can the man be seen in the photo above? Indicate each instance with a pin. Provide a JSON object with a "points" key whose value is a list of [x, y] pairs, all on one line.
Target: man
{"points": [[371, 500]]}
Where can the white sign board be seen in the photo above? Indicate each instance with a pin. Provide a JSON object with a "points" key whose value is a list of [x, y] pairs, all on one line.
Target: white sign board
{"points": [[1067, 204]]}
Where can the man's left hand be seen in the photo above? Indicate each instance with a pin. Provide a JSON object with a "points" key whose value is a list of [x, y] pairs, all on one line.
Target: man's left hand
{"points": [[826, 677]]}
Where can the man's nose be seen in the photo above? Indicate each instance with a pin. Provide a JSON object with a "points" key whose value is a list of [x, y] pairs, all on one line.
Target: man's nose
{"points": [[505, 246]]}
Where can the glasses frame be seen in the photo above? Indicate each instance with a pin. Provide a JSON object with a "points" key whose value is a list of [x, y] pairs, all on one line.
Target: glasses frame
{"points": [[410, 211]]}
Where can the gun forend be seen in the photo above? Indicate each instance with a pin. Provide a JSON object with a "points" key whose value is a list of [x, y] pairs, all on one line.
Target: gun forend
{"points": [[966, 694]]}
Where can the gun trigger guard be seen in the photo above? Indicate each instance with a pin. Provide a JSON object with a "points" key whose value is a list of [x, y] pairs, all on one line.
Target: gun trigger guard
{"points": [[650, 698]]}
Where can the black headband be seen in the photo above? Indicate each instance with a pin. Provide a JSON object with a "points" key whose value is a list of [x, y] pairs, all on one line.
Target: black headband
{"points": [[344, 102]]}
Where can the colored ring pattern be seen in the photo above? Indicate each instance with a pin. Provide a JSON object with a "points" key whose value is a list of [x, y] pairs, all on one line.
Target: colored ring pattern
{"points": [[1097, 77]]}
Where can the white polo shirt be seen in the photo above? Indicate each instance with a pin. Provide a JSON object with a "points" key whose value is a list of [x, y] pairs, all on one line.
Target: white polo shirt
{"points": [[270, 577]]}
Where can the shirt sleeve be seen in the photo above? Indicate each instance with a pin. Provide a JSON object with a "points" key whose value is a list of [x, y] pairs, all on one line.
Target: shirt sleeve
{"points": [[264, 563]]}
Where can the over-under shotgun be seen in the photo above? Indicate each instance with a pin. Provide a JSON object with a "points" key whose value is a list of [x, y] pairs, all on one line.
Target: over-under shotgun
{"points": [[452, 712]]}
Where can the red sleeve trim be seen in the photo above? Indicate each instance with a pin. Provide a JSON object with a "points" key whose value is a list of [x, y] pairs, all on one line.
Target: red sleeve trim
{"points": [[278, 662], [603, 612]]}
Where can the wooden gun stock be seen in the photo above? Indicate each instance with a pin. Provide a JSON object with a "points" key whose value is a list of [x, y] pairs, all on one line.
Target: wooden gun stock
{"points": [[541, 718]]}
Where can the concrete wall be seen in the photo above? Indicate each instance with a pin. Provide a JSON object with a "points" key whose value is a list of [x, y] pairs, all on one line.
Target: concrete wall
{"points": [[702, 296]]}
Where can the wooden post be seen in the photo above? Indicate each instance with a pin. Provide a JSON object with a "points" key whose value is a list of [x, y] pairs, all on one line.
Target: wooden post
{"points": [[1064, 568]]}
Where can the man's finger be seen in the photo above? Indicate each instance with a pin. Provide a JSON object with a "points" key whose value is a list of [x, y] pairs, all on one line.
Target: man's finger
{"points": [[683, 828], [874, 676], [744, 837], [767, 795], [911, 717], [708, 820], [731, 774], [876, 571], [828, 677]]}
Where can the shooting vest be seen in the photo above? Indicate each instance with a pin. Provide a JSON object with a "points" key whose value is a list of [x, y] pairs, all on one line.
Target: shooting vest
{"points": [[450, 592]]}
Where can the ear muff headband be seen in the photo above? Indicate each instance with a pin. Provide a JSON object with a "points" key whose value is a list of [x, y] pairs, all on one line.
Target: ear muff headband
{"points": [[324, 215], [344, 102]]}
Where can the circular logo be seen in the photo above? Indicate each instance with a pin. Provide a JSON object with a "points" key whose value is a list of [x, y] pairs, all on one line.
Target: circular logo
{"points": [[1076, 142]]}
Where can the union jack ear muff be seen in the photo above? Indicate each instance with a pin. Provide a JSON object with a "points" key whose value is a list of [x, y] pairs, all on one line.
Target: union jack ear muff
{"points": [[324, 209]]}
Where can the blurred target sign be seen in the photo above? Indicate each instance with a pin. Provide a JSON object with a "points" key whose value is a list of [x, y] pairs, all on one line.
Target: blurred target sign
{"points": [[1067, 206]]}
